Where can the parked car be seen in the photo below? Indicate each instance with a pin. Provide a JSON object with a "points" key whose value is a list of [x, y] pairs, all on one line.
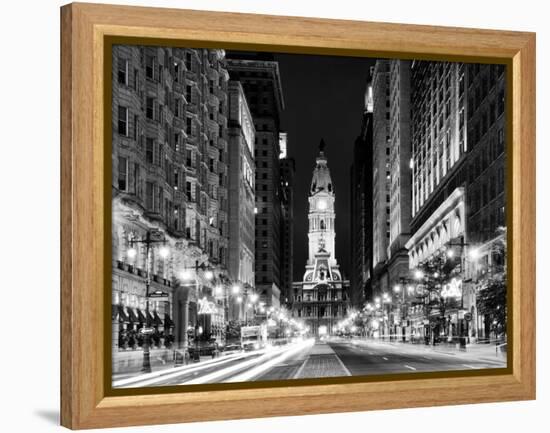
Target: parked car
{"points": [[203, 348], [231, 349]]}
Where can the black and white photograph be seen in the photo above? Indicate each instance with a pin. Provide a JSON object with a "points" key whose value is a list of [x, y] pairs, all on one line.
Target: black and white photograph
{"points": [[290, 216]]}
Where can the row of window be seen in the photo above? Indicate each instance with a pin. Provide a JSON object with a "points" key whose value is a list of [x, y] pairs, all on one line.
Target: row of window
{"points": [[488, 117]]}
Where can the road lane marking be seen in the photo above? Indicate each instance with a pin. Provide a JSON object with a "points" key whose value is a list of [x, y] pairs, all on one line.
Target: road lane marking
{"points": [[427, 357], [410, 368], [348, 373], [384, 358], [300, 369], [469, 366]]}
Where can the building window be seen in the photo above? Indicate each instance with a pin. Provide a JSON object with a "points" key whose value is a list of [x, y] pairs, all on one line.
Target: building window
{"points": [[500, 141], [188, 60], [136, 127], [150, 108], [150, 67], [149, 195], [123, 120], [176, 72], [123, 71], [136, 80], [188, 126], [122, 173], [501, 102], [188, 191], [137, 180], [149, 150]]}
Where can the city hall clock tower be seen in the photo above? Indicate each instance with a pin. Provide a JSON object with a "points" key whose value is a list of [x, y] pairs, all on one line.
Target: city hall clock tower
{"points": [[321, 232], [321, 298]]}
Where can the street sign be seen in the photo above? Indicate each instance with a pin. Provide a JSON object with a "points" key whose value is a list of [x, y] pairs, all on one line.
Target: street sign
{"points": [[146, 330], [158, 294], [468, 316]]}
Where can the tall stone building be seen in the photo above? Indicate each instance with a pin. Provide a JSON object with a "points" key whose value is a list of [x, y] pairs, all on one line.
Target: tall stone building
{"points": [[440, 148], [400, 169], [486, 191], [321, 298], [169, 183], [381, 175], [458, 183], [288, 168], [259, 75], [241, 197], [361, 207]]}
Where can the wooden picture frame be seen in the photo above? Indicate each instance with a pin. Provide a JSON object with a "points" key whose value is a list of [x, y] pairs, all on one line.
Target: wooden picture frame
{"points": [[85, 30]]}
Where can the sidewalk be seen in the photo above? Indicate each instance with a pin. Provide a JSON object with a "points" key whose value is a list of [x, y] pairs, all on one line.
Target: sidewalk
{"points": [[485, 352]]}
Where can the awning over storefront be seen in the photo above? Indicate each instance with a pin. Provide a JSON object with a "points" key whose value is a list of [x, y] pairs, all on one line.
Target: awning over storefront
{"points": [[168, 323], [157, 321], [132, 315], [141, 316], [122, 315]]}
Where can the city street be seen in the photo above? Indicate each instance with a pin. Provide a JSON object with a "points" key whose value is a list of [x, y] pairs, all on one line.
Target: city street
{"points": [[332, 358]]}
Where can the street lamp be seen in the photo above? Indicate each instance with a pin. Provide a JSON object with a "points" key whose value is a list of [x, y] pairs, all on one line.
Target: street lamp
{"points": [[164, 252], [386, 300], [151, 238], [473, 254]]}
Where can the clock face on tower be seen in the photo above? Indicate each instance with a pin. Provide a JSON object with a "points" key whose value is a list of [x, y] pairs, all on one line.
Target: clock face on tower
{"points": [[321, 204]]}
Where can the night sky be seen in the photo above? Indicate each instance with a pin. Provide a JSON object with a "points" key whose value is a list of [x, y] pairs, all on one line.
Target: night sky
{"points": [[324, 98]]}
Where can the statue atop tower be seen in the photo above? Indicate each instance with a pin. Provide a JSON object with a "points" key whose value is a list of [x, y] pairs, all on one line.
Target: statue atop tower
{"points": [[322, 145], [321, 180]]}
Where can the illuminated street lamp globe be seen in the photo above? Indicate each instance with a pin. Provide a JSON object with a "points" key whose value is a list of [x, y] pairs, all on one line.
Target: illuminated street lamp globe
{"points": [[186, 275], [131, 253], [209, 275], [235, 289], [474, 254], [164, 251]]}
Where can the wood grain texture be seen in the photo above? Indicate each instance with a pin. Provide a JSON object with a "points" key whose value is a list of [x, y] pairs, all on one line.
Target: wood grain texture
{"points": [[84, 28]]}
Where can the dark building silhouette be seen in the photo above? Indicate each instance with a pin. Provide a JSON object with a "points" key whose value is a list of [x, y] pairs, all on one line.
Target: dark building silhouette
{"points": [[288, 168], [361, 208], [259, 76]]}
